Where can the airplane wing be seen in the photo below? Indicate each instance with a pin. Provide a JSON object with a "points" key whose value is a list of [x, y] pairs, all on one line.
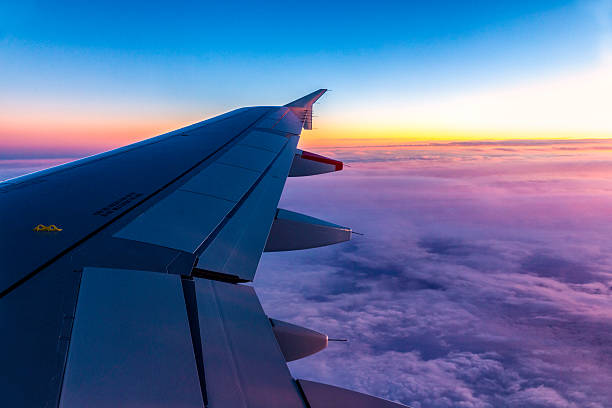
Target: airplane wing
{"points": [[123, 274]]}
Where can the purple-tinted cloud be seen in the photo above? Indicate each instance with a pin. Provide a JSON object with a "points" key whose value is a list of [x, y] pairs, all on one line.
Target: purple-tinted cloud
{"points": [[14, 167], [483, 279]]}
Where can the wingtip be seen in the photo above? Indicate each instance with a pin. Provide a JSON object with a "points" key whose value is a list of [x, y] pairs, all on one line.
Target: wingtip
{"points": [[308, 100]]}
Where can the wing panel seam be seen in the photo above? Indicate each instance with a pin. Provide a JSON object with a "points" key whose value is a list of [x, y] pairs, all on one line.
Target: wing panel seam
{"points": [[207, 195], [211, 237]]}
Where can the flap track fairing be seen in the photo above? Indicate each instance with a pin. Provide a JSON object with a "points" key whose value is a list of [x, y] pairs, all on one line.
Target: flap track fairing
{"points": [[297, 342], [292, 230], [308, 164], [321, 395]]}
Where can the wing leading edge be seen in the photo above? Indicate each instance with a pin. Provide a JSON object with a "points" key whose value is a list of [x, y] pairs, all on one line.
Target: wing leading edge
{"points": [[136, 296]]}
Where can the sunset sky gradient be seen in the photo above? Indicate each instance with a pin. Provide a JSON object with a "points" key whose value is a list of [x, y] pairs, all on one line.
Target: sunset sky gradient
{"points": [[78, 78]]}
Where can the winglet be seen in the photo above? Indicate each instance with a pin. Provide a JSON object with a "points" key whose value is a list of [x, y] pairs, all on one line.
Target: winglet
{"points": [[303, 107], [308, 100]]}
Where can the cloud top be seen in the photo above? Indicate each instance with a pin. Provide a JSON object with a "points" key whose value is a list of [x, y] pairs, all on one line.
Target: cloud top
{"points": [[483, 279]]}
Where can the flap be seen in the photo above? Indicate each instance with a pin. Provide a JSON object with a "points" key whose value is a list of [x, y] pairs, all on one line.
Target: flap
{"points": [[243, 365]]}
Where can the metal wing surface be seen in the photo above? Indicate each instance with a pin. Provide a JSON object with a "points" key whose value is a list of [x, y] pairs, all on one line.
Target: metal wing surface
{"points": [[122, 274]]}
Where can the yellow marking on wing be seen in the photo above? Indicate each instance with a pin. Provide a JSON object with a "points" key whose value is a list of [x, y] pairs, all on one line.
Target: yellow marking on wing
{"points": [[51, 227]]}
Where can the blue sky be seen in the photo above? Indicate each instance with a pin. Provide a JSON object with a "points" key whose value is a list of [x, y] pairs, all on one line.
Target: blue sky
{"points": [[319, 41]]}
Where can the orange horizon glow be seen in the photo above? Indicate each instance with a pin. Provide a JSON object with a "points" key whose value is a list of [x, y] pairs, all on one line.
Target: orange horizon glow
{"points": [[83, 131], [347, 136], [103, 134]]}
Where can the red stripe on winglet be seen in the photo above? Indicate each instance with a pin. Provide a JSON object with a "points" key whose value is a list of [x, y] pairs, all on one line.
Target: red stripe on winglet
{"points": [[322, 159]]}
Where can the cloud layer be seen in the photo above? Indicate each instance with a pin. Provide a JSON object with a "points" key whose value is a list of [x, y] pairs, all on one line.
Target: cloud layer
{"points": [[483, 279]]}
